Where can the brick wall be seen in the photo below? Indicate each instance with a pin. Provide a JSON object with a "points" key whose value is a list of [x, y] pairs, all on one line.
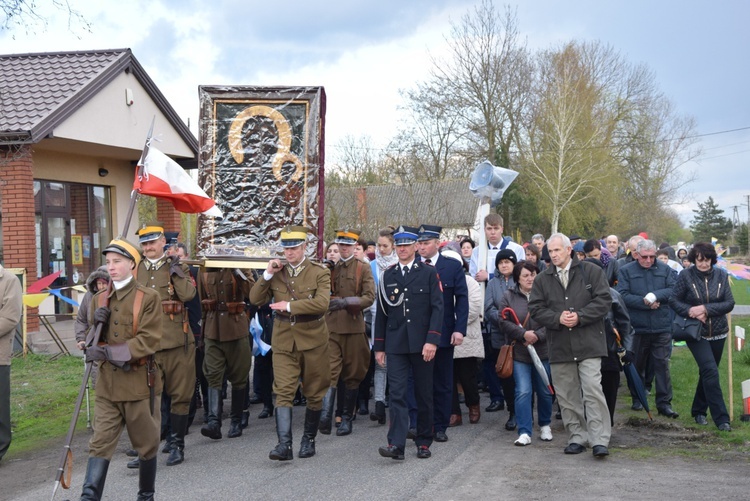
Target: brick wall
{"points": [[167, 215], [19, 236]]}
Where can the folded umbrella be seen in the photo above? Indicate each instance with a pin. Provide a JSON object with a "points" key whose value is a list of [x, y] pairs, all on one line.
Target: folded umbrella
{"points": [[634, 379], [508, 312]]}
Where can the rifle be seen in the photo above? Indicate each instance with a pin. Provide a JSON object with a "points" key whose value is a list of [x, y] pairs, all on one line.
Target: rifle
{"points": [[67, 455]]}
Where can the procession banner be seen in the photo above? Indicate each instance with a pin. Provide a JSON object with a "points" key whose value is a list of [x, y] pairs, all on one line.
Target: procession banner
{"points": [[262, 161]]}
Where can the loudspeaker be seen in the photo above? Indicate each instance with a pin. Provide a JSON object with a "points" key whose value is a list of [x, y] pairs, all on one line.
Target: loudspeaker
{"points": [[488, 181]]}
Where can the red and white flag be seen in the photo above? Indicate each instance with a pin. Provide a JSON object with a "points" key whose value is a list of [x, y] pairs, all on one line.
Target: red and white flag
{"points": [[164, 178]]}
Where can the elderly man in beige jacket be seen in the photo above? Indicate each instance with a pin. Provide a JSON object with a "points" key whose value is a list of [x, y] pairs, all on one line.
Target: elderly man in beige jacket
{"points": [[10, 314]]}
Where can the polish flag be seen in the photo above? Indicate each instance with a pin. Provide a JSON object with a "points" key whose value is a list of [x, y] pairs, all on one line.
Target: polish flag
{"points": [[164, 178]]}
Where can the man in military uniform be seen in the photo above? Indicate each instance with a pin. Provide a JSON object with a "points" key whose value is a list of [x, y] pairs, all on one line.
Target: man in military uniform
{"points": [[455, 318], [176, 357], [128, 389], [227, 349], [301, 292], [352, 290], [407, 328]]}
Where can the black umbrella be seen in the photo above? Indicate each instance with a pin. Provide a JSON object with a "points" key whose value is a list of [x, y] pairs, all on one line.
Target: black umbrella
{"points": [[634, 379]]}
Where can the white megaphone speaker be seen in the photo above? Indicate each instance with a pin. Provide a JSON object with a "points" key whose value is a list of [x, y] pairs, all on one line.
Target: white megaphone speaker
{"points": [[488, 181]]}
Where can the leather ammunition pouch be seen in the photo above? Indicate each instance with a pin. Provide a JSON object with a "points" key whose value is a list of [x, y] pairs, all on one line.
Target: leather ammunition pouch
{"points": [[235, 308], [171, 307], [209, 304]]}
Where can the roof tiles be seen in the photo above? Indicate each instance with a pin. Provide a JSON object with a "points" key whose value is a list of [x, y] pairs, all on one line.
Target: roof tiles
{"points": [[33, 85]]}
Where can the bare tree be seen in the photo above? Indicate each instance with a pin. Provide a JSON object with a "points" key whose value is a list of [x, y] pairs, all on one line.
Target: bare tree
{"points": [[432, 134], [566, 157], [25, 14], [486, 79]]}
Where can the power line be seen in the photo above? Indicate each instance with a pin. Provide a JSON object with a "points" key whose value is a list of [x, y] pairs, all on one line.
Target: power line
{"points": [[694, 136]]}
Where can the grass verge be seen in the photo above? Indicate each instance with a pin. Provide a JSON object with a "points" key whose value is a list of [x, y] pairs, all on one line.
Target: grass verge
{"points": [[43, 394]]}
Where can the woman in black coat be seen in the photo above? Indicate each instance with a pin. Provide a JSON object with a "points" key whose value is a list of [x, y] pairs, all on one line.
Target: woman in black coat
{"points": [[702, 292]]}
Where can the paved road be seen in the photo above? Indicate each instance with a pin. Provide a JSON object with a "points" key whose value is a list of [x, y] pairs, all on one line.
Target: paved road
{"points": [[479, 462]]}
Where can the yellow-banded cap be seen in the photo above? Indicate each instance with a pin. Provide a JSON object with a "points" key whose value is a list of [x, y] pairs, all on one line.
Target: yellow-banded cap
{"points": [[124, 248], [293, 236], [346, 236], [149, 233]]}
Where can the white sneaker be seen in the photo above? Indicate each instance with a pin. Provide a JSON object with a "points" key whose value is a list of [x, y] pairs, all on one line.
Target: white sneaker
{"points": [[546, 433], [523, 439]]}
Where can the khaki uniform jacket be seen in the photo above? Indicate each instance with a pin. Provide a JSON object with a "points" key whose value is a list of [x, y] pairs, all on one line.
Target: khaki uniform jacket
{"points": [[156, 277], [116, 384], [344, 283], [312, 286], [10, 312], [223, 286]]}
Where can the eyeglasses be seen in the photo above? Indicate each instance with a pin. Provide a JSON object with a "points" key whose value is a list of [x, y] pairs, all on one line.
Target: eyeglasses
{"points": [[641, 256], [701, 259]]}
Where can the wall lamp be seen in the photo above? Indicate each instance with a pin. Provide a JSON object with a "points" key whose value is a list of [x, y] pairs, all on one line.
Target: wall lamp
{"points": [[103, 172]]}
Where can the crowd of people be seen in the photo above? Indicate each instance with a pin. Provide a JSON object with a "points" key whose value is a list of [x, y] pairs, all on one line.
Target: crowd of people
{"points": [[402, 321]]}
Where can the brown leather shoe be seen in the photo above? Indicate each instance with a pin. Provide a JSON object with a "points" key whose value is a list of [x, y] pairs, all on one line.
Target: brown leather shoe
{"points": [[474, 414], [456, 420]]}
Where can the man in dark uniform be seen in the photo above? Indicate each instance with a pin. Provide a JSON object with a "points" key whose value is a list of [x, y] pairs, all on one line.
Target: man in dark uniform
{"points": [[128, 389], [225, 332], [407, 328], [176, 357], [301, 292], [455, 318], [352, 290]]}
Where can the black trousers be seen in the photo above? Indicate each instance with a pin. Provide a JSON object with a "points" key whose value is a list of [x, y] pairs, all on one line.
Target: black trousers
{"points": [[465, 372], [610, 384], [708, 395], [264, 374], [657, 347], [399, 367]]}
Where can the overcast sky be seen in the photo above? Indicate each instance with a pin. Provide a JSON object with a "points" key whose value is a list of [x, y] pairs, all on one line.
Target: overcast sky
{"points": [[364, 52]]}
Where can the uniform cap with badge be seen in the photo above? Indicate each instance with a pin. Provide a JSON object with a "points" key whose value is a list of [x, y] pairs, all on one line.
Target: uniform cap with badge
{"points": [[405, 235], [293, 236], [124, 248], [429, 232], [346, 237], [149, 233]]}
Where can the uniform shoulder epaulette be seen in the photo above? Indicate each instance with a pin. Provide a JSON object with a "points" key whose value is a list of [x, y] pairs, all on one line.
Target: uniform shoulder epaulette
{"points": [[319, 265], [392, 266]]}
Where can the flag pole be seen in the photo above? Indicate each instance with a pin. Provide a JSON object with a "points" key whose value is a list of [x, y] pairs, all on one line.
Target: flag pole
{"points": [[67, 454]]}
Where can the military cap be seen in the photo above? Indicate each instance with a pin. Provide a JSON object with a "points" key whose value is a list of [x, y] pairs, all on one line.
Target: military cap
{"points": [[405, 235], [346, 237], [124, 248], [293, 236], [150, 233], [428, 232]]}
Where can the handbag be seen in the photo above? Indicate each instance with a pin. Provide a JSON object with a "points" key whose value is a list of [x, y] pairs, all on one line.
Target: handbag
{"points": [[686, 329], [504, 365]]}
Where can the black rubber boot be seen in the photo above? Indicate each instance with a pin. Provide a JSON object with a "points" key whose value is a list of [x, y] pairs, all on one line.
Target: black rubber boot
{"points": [[179, 428], [283, 450], [379, 414], [267, 411], [245, 421], [93, 483], [326, 415], [307, 446], [235, 414], [147, 476], [350, 404], [364, 407], [212, 429]]}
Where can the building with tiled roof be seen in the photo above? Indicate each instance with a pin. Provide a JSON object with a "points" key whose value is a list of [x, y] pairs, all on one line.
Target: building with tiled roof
{"points": [[72, 128], [447, 203]]}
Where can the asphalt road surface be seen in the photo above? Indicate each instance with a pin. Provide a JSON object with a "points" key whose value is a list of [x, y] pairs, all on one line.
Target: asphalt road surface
{"points": [[478, 462]]}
